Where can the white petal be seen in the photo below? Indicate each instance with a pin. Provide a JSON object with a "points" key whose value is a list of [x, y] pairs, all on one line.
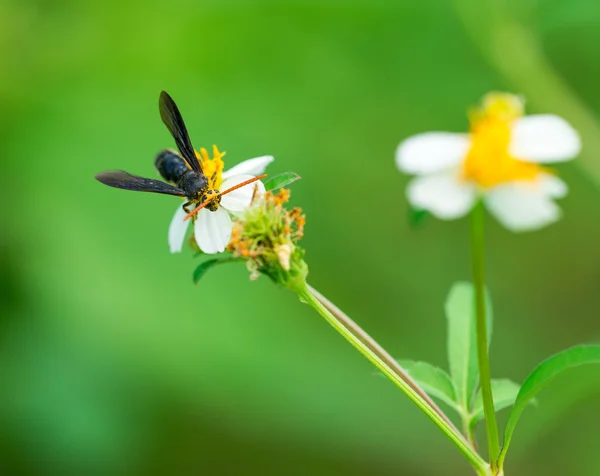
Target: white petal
{"points": [[240, 199], [543, 138], [213, 230], [177, 230], [553, 186], [445, 195], [254, 166], [432, 152], [524, 206]]}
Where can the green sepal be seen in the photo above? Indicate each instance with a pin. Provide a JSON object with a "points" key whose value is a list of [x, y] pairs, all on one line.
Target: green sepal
{"points": [[281, 180], [203, 267], [417, 217]]}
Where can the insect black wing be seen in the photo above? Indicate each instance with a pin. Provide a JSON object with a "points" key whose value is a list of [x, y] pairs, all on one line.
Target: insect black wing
{"points": [[171, 117], [126, 181]]}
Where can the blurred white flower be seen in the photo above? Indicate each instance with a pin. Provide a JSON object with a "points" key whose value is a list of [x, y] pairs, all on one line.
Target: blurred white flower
{"points": [[498, 162], [212, 229]]}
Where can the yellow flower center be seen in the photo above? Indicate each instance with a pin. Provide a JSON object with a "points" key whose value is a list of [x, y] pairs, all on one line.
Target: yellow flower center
{"points": [[488, 162], [212, 167]]}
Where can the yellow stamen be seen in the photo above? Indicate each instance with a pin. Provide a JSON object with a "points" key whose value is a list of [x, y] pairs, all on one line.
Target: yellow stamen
{"points": [[282, 197], [212, 167], [488, 162]]}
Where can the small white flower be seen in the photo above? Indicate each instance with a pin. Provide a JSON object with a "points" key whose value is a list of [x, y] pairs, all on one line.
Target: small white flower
{"points": [[212, 230], [497, 162]]}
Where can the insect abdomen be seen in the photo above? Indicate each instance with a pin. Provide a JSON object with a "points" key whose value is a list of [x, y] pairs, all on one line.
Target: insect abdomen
{"points": [[170, 166]]}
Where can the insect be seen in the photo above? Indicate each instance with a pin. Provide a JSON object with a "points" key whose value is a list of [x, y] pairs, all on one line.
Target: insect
{"points": [[184, 171]]}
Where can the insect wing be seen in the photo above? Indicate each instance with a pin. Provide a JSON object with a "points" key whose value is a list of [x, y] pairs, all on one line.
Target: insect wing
{"points": [[171, 117], [127, 181]]}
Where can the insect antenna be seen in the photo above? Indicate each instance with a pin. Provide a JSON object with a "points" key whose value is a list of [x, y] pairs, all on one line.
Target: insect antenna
{"points": [[235, 187]]}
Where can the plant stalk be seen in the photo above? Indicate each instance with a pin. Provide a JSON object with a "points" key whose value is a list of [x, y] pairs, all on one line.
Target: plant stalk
{"points": [[390, 368], [379, 351], [469, 430], [478, 269]]}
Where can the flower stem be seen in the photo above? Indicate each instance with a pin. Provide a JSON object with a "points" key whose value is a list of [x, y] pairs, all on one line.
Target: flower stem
{"points": [[379, 351], [469, 429], [390, 368], [477, 261]]}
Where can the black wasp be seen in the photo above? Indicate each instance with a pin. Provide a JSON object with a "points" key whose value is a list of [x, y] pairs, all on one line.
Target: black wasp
{"points": [[182, 170]]}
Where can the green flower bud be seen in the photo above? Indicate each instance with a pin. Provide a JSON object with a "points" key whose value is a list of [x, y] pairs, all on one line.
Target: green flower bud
{"points": [[266, 235]]}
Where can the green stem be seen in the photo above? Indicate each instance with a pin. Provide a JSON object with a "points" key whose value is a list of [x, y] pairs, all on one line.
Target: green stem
{"points": [[358, 338], [477, 261], [366, 339], [468, 429]]}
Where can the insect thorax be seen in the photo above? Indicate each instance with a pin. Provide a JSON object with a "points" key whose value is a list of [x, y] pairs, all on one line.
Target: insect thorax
{"points": [[193, 184]]}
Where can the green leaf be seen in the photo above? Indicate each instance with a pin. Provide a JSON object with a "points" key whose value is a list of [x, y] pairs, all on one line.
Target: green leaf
{"points": [[281, 180], [505, 393], [435, 381], [541, 376], [203, 267], [462, 343], [417, 217]]}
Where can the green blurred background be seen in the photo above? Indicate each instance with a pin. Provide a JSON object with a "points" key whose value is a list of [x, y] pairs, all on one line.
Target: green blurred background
{"points": [[112, 362]]}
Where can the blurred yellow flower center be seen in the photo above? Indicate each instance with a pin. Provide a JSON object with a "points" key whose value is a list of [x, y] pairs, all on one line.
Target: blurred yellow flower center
{"points": [[488, 162], [212, 167]]}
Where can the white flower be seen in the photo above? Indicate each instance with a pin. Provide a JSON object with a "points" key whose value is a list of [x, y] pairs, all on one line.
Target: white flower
{"points": [[212, 230], [497, 162]]}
